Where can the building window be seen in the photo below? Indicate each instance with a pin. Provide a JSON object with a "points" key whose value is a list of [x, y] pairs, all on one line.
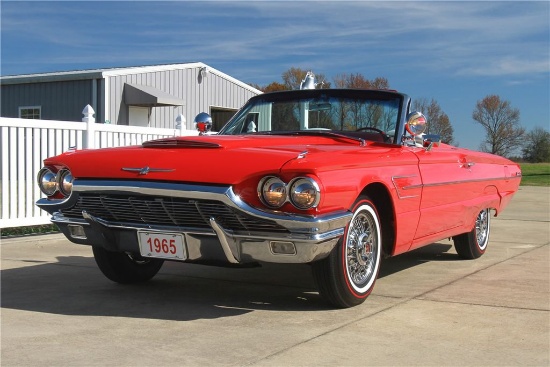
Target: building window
{"points": [[30, 112]]}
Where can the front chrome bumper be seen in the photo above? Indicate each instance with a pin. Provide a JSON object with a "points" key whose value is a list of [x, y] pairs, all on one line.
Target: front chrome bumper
{"points": [[312, 238]]}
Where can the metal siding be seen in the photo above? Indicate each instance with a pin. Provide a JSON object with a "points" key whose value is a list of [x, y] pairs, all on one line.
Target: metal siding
{"points": [[117, 114], [8, 107], [100, 100], [63, 100]]}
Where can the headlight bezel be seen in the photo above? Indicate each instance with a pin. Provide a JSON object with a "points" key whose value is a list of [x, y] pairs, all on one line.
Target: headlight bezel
{"points": [[296, 197], [55, 183], [65, 187], [265, 188], [270, 187], [49, 186]]}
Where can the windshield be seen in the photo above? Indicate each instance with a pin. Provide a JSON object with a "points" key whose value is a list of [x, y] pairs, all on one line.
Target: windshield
{"points": [[324, 111]]}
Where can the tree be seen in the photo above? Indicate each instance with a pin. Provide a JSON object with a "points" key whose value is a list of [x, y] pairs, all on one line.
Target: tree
{"points": [[501, 123], [274, 87], [359, 81], [438, 121], [536, 147], [358, 115]]}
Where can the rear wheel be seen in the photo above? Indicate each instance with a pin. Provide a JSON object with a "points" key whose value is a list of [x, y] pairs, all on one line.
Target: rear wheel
{"points": [[473, 244], [125, 268], [347, 276]]}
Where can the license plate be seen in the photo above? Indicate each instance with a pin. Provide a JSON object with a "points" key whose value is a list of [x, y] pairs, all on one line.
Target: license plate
{"points": [[162, 245]]}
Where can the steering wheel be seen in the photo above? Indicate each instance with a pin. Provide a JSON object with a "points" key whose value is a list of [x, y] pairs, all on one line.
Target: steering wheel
{"points": [[385, 138]]}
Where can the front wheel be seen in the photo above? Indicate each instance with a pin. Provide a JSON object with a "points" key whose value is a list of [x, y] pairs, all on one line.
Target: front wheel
{"points": [[347, 276], [125, 268], [473, 244]]}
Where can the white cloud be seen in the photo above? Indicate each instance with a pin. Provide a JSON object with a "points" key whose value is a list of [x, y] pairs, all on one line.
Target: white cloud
{"points": [[458, 38]]}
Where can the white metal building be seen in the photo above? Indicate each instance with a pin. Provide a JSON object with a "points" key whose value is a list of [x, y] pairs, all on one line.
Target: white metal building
{"points": [[141, 96]]}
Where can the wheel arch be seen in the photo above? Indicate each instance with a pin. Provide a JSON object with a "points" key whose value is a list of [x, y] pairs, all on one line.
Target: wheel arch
{"points": [[489, 199], [381, 198]]}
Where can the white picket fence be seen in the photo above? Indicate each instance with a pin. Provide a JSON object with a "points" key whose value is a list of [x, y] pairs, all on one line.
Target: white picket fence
{"points": [[26, 143]]}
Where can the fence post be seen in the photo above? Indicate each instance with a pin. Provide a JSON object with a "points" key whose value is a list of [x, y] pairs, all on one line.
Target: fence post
{"points": [[180, 124], [89, 119]]}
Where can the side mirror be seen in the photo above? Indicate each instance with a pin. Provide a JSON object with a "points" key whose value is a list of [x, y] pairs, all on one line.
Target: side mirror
{"points": [[416, 123], [431, 140], [203, 121]]}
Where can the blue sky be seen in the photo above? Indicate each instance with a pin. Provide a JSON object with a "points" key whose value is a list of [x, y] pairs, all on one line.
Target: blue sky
{"points": [[454, 52]]}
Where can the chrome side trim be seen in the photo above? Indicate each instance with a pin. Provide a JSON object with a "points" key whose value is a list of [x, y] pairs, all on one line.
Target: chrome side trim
{"points": [[398, 189], [434, 184]]}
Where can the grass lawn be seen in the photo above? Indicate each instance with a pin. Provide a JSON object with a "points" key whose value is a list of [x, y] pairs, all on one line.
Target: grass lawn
{"points": [[535, 174], [30, 230]]}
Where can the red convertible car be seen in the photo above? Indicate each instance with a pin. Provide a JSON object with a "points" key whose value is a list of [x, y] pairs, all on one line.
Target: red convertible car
{"points": [[331, 177]]}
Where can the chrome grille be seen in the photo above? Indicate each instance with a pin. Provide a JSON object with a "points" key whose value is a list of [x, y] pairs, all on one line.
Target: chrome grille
{"points": [[167, 211]]}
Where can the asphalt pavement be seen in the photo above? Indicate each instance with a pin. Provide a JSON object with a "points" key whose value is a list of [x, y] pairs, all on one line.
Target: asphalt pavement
{"points": [[428, 308]]}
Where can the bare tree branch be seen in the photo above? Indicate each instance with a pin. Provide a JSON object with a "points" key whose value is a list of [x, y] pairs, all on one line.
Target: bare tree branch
{"points": [[438, 121], [504, 134], [536, 147]]}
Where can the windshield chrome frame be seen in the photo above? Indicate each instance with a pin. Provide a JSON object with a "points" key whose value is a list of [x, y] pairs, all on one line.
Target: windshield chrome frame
{"points": [[404, 104]]}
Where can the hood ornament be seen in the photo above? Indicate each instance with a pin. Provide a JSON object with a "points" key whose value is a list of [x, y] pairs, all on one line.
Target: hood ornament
{"points": [[309, 81], [145, 170]]}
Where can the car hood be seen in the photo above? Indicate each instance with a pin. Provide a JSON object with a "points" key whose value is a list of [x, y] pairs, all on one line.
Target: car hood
{"points": [[208, 159]]}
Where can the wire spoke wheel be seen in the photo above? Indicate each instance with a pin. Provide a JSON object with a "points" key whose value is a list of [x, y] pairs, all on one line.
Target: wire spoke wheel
{"points": [[361, 250], [347, 276], [482, 228], [473, 244]]}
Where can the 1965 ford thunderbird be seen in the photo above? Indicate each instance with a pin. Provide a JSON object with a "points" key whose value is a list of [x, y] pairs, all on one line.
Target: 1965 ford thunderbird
{"points": [[331, 177]]}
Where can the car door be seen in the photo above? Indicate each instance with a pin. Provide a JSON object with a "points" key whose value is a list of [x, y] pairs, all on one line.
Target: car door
{"points": [[448, 186]]}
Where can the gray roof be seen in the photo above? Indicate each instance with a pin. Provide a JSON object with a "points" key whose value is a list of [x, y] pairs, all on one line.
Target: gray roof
{"points": [[102, 73]]}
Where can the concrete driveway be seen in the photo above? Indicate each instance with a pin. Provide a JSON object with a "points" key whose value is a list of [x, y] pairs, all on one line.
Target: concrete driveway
{"points": [[428, 308]]}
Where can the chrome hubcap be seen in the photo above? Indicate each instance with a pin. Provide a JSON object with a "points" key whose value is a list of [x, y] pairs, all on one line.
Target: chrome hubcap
{"points": [[361, 249], [482, 227]]}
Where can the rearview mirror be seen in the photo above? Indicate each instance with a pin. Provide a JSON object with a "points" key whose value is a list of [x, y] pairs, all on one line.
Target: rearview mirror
{"points": [[319, 106]]}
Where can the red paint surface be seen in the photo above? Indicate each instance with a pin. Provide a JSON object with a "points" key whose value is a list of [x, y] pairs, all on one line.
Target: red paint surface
{"points": [[434, 194]]}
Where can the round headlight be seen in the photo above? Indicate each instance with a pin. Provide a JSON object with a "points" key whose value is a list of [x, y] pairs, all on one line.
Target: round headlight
{"points": [[65, 181], [304, 193], [273, 192], [47, 181]]}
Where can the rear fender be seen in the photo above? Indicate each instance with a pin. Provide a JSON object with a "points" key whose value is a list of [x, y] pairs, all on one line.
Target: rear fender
{"points": [[490, 199]]}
